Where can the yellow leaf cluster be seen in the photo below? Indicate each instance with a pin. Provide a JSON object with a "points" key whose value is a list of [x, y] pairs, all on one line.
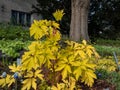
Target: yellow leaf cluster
{"points": [[7, 81], [59, 86], [15, 68], [88, 77], [27, 83], [58, 15], [66, 85], [75, 60], [38, 29], [45, 28], [106, 64], [31, 79], [38, 54]]}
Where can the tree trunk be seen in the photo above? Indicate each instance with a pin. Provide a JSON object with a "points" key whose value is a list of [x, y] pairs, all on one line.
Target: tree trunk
{"points": [[79, 20]]}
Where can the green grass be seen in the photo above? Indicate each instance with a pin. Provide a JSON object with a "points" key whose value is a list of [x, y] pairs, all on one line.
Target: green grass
{"points": [[114, 43], [114, 78], [107, 50]]}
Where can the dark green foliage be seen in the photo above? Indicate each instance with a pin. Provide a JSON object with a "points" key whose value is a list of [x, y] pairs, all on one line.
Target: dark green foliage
{"points": [[102, 74], [10, 32], [108, 42], [104, 19]]}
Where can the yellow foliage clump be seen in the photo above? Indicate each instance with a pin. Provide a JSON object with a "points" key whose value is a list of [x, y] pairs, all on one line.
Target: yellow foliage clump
{"points": [[107, 64], [64, 64]]}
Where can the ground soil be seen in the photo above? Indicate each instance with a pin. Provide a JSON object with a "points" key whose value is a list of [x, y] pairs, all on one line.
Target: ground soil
{"points": [[100, 85]]}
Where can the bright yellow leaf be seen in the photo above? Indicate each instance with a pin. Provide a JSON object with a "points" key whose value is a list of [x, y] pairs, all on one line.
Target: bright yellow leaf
{"points": [[60, 86], [38, 74], [38, 29], [28, 83], [58, 14], [34, 84], [88, 77], [15, 68], [84, 42], [9, 80]]}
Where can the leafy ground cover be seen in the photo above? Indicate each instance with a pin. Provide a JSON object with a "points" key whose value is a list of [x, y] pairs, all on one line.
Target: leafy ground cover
{"points": [[12, 48], [11, 32]]}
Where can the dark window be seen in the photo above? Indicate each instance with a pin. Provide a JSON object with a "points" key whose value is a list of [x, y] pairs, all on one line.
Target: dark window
{"points": [[28, 19], [20, 18], [14, 17]]}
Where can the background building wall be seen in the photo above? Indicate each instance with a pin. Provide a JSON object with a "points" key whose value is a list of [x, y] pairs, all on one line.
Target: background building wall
{"points": [[19, 5]]}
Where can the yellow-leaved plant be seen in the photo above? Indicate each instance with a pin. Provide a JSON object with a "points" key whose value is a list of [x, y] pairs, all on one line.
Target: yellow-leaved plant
{"points": [[47, 60], [107, 63]]}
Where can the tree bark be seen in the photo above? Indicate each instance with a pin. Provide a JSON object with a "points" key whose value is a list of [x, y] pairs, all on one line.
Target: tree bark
{"points": [[79, 20]]}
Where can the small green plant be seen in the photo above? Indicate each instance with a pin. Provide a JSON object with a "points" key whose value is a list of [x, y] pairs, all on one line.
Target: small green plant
{"points": [[11, 32], [114, 78], [102, 74], [12, 48], [46, 60]]}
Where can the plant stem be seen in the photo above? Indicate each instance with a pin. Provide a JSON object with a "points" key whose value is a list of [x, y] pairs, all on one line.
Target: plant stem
{"points": [[5, 84], [3, 60], [116, 60], [54, 74], [15, 84]]}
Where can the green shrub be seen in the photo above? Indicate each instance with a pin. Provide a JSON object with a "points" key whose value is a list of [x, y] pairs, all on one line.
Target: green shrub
{"points": [[10, 32], [12, 48]]}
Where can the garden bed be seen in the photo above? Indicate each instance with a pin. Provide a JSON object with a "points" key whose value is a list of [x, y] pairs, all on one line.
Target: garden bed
{"points": [[100, 85]]}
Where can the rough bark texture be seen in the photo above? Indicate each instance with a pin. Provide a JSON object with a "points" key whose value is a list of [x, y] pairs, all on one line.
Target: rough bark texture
{"points": [[79, 20]]}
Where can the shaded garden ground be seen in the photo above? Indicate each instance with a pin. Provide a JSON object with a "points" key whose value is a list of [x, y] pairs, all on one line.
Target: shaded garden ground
{"points": [[100, 85]]}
